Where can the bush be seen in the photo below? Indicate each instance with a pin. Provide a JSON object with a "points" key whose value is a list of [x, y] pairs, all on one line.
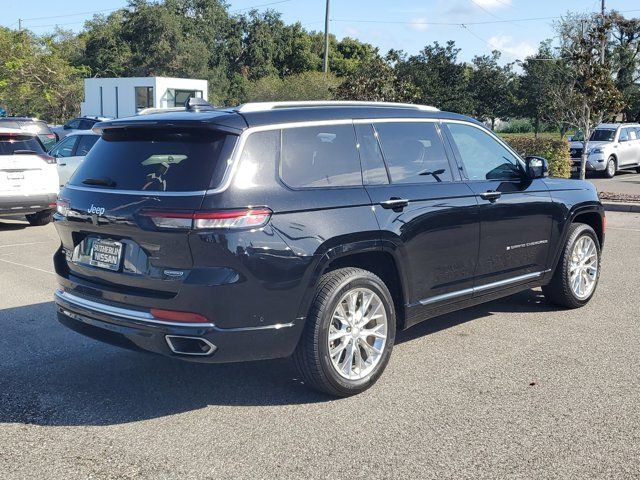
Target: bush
{"points": [[516, 125], [303, 86], [554, 150]]}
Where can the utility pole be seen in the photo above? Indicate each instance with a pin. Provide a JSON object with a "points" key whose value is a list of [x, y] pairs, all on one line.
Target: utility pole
{"points": [[325, 64], [603, 44], [19, 24]]}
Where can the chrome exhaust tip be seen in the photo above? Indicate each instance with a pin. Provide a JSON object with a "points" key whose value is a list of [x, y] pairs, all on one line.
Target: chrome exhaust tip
{"points": [[190, 345]]}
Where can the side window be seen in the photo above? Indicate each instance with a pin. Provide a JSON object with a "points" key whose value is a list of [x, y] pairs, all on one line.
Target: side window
{"points": [[624, 135], [85, 143], [65, 147], [483, 157], [373, 170], [632, 134], [414, 152], [320, 157], [86, 124], [258, 160]]}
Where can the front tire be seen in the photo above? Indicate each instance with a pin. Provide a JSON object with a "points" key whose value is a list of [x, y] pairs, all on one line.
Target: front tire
{"points": [[576, 277], [349, 333], [611, 168], [39, 219]]}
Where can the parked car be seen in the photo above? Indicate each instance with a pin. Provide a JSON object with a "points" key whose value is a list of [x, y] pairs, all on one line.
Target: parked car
{"points": [[77, 124], [28, 177], [70, 152], [33, 125], [612, 147], [311, 229]]}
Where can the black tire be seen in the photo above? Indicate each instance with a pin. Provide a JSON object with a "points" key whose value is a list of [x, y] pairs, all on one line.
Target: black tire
{"points": [[312, 353], [559, 290], [637, 169], [609, 170], [39, 219]]}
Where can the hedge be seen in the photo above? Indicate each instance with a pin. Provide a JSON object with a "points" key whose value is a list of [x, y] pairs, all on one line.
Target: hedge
{"points": [[555, 151]]}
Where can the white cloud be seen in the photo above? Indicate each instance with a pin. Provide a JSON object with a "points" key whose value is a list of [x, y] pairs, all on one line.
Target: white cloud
{"points": [[505, 44], [419, 25], [493, 3]]}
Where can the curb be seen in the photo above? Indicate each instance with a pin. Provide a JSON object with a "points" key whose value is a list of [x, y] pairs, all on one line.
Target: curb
{"points": [[621, 207]]}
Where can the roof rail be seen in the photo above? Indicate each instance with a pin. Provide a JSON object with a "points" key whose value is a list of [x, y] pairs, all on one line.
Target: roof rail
{"points": [[264, 106], [149, 111]]}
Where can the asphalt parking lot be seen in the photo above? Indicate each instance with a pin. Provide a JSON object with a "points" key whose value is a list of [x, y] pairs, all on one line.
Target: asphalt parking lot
{"points": [[511, 389], [626, 182]]}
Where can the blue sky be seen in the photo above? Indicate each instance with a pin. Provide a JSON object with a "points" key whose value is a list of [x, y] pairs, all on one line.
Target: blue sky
{"points": [[401, 24]]}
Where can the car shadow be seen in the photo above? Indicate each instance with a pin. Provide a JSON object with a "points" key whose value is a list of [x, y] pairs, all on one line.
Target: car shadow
{"points": [[52, 376], [8, 226]]}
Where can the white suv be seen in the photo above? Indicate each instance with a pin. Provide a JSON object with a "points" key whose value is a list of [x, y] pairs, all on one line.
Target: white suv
{"points": [[28, 177], [612, 147]]}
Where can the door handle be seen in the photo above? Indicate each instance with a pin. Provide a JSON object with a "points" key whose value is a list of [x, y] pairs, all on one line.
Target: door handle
{"points": [[394, 203], [491, 195], [62, 164]]}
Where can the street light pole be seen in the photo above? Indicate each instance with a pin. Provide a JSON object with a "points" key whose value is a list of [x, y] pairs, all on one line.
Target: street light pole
{"points": [[325, 64]]}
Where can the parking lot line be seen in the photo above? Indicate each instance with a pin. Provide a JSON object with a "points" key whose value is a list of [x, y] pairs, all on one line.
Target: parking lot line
{"points": [[625, 229], [27, 266]]}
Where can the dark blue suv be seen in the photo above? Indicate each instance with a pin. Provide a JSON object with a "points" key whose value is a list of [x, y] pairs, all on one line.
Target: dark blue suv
{"points": [[309, 229]]}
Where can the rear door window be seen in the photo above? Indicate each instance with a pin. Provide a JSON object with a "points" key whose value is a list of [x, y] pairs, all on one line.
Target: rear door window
{"points": [[156, 160], [324, 156], [374, 171], [85, 143], [20, 144], [414, 152]]}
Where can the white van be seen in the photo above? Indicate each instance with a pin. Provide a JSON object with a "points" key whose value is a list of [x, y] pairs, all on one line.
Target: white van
{"points": [[28, 177]]}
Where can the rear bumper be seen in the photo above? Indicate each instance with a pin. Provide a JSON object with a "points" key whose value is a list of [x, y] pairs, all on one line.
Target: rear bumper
{"points": [[24, 204], [138, 330]]}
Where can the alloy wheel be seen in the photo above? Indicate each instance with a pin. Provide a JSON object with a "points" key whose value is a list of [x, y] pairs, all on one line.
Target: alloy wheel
{"points": [[583, 267]]}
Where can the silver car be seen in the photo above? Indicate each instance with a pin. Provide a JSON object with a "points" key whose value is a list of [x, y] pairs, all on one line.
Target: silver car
{"points": [[612, 147]]}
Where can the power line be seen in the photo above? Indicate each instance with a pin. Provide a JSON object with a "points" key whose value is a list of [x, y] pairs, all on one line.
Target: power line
{"points": [[258, 6], [70, 14]]}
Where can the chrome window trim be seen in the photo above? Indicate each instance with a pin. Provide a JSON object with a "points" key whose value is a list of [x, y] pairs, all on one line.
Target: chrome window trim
{"points": [[146, 317], [482, 288]]}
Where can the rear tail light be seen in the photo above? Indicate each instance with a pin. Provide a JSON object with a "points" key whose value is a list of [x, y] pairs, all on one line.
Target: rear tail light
{"points": [[62, 207], [203, 220], [51, 136], [47, 158], [182, 317]]}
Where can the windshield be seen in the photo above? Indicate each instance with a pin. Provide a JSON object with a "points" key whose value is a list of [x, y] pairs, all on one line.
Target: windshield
{"points": [[154, 160], [602, 135], [10, 144]]}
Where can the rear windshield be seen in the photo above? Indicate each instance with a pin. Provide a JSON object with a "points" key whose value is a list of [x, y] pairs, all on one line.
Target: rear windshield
{"points": [[19, 144], [602, 135], [37, 127], [156, 160]]}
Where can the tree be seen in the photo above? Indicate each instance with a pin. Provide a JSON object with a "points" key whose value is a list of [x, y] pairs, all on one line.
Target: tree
{"points": [[439, 79], [303, 86], [587, 93], [491, 87], [540, 73], [625, 45], [375, 80]]}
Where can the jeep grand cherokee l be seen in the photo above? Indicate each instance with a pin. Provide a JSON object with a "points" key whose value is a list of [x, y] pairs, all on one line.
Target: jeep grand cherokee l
{"points": [[314, 230]]}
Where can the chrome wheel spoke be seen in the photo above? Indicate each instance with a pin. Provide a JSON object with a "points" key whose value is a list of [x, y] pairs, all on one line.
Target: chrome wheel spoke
{"points": [[583, 267], [358, 333]]}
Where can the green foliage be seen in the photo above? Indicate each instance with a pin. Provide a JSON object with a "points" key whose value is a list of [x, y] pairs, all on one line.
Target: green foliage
{"points": [[438, 77], [375, 80], [492, 88], [37, 77], [303, 86], [517, 125], [554, 150]]}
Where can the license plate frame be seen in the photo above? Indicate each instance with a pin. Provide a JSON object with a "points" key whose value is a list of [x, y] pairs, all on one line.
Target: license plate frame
{"points": [[106, 254]]}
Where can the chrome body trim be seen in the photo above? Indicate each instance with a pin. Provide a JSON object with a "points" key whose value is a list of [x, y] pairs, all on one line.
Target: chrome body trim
{"points": [[266, 106], [212, 347], [145, 193], [146, 317], [482, 288]]}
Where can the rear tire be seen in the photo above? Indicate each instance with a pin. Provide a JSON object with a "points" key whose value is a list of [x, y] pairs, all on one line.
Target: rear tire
{"points": [[575, 270], [39, 219], [354, 308], [611, 168]]}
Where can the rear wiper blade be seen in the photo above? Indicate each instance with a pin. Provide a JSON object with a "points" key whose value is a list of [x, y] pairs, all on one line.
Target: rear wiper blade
{"points": [[103, 182], [25, 152]]}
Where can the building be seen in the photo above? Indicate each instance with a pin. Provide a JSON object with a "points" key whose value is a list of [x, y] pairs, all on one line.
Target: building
{"points": [[123, 97]]}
